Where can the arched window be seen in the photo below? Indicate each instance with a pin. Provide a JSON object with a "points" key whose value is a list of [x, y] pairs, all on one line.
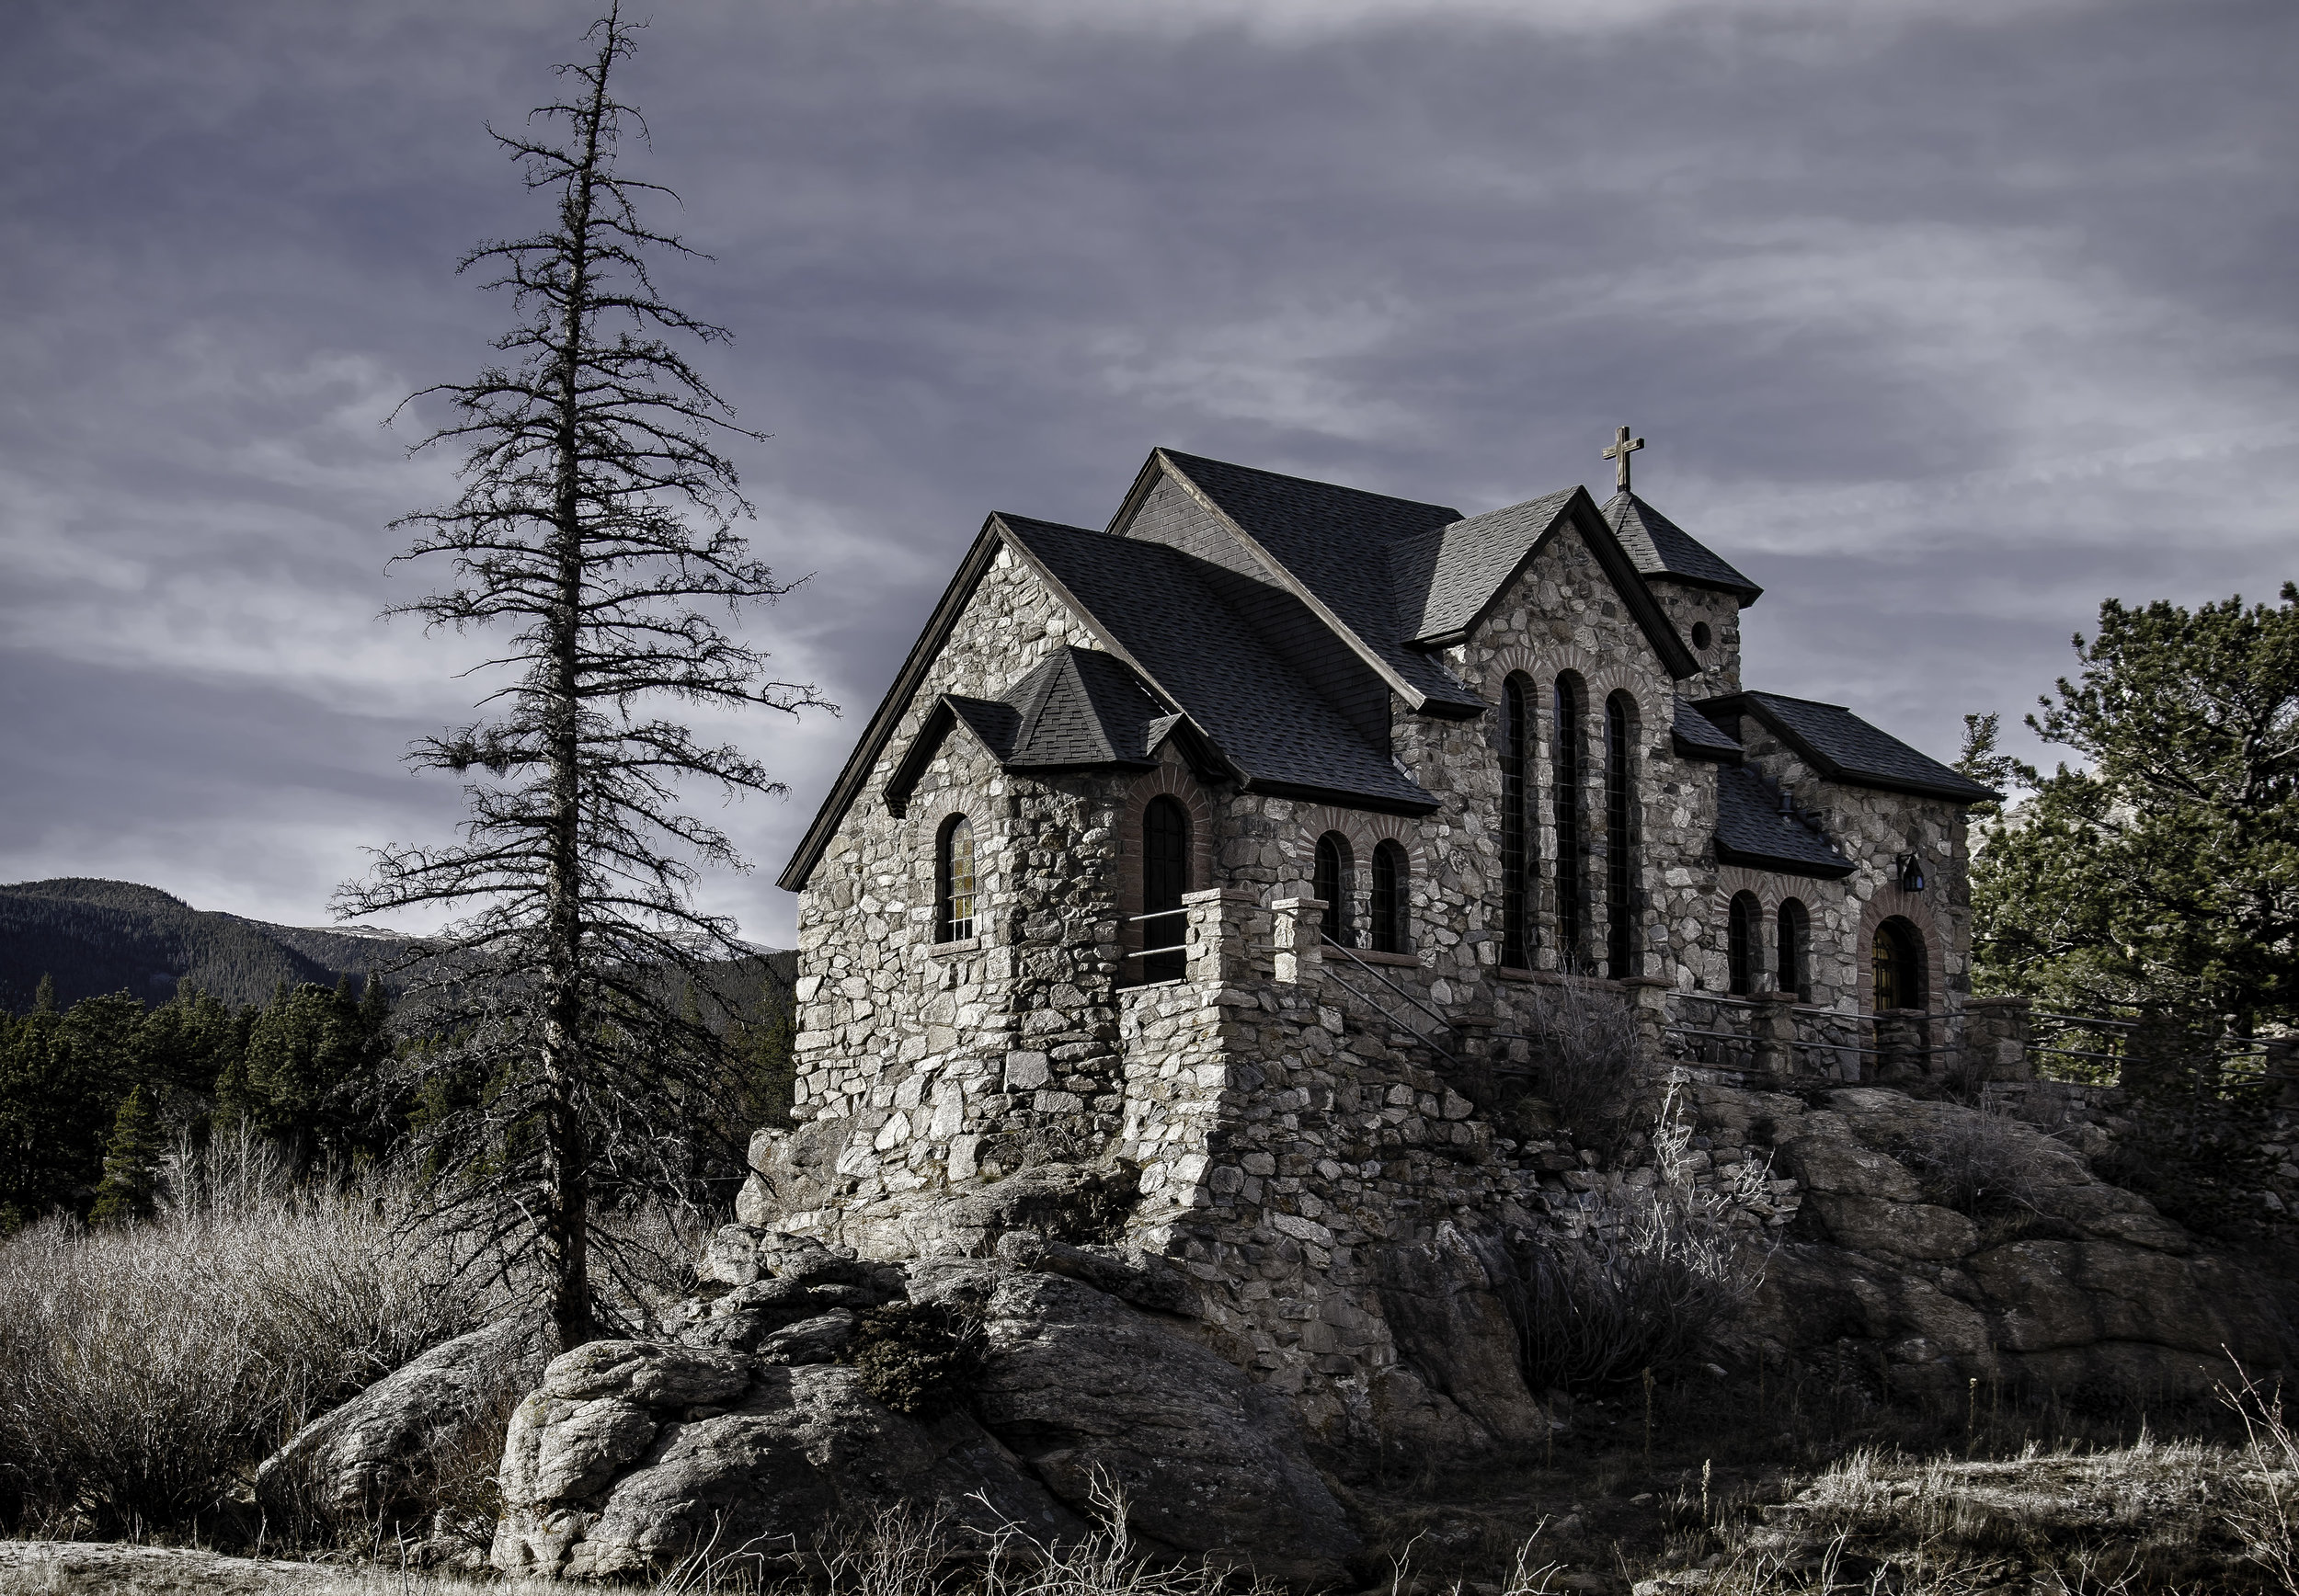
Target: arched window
{"points": [[1572, 826], [1164, 878], [1520, 858], [953, 881], [1895, 962], [1620, 845], [1741, 921], [1795, 944], [1391, 875], [1331, 884]]}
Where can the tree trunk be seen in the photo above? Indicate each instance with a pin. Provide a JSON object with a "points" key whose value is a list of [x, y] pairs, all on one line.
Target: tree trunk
{"points": [[567, 1220]]}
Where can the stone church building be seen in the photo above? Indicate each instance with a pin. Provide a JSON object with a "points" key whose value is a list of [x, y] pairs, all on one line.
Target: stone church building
{"points": [[1227, 849]]}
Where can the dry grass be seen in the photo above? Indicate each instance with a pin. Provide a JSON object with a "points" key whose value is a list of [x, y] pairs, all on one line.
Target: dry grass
{"points": [[144, 1369]]}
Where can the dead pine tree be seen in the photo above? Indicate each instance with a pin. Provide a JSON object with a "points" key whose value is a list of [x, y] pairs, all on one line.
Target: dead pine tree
{"points": [[569, 1010]]}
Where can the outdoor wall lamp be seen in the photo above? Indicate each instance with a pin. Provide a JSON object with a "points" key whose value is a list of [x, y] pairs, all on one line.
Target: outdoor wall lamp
{"points": [[1911, 872]]}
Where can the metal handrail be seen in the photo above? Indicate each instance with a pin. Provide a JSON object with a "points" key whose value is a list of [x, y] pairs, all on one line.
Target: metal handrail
{"points": [[1374, 1004]]}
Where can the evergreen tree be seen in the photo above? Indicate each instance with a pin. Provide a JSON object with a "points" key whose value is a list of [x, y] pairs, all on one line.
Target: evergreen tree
{"points": [[131, 1163], [587, 462], [2164, 873]]}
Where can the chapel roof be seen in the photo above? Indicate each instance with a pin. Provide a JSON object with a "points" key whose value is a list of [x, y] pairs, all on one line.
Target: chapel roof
{"points": [[1268, 619], [1756, 827], [1844, 747], [1662, 548], [1166, 611], [1077, 709]]}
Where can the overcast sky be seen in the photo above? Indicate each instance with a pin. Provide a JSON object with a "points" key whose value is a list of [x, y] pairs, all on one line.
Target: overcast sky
{"points": [[1944, 319]]}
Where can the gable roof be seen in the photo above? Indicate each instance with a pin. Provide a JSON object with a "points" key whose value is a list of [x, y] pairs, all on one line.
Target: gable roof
{"points": [[1844, 747], [1752, 828], [1662, 548], [1163, 612], [1322, 542], [1076, 709], [1445, 577], [1457, 573]]}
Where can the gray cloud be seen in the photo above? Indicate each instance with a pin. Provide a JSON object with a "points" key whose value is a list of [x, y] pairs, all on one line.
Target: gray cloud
{"points": [[1944, 321]]}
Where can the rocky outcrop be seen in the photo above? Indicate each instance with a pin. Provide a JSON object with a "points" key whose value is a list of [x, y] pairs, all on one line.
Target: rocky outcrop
{"points": [[378, 1456], [1938, 1244], [744, 1437]]}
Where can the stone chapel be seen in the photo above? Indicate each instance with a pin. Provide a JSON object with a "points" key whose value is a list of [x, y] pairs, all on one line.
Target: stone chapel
{"points": [[1223, 850]]}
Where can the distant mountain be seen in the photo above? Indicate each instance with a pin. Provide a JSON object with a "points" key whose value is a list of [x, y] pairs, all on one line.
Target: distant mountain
{"points": [[94, 937], [98, 937]]}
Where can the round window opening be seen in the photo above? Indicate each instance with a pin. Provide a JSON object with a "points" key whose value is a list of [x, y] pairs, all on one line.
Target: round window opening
{"points": [[1701, 634]]}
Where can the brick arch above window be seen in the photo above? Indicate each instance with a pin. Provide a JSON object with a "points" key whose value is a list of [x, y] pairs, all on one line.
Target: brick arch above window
{"points": [[1366, 831], [1169, 779], [1894, 902]]}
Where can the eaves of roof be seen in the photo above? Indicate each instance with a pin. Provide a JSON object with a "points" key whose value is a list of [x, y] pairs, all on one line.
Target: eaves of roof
{"points": [[1148, 605], [891, 708], [1843, 748], [1754, 828], [1662, 549], [1697, 737]]}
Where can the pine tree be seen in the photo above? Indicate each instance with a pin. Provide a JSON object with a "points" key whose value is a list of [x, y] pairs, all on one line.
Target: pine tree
{"points": [[2163, 873], [587, 462], [131, 1163]]}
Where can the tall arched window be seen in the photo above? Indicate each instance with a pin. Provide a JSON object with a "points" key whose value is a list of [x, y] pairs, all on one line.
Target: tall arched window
{"points": [[1742, 921], [1571, 825], [954, 880], [1895, 962], [1520, 859], [1795, 944], [1391, 875], [1331, 884], [1620, 842], [1164, 878]]}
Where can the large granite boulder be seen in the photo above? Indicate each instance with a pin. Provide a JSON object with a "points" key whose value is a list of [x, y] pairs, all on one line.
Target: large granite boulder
{"points": [[1094, 1395], [633, 1454], [380, 1456]]}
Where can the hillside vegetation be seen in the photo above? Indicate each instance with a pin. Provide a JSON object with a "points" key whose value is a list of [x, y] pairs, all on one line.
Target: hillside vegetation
{"points": [[95, 938]]}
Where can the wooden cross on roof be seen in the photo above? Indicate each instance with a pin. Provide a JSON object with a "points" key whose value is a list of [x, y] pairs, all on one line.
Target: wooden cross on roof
{"points": [[1619, 449]]}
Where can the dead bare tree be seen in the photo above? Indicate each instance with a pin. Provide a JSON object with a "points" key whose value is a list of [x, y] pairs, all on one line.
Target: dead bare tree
{"points": [[570, 1000]]}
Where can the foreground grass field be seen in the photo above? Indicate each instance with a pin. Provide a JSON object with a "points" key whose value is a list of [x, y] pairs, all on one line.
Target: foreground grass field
{"points": [[2146, 1517]]}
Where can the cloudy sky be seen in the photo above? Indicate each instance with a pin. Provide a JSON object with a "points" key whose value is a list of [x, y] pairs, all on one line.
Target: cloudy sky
{"points": [[1944, 320]]}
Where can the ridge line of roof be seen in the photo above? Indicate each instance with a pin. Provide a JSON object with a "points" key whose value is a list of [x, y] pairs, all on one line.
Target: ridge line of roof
{"points": [[1293, 583]]}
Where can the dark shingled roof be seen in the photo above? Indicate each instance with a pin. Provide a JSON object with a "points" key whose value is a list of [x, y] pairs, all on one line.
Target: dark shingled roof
{"points": [[1081, 707], [1076, 709], [1335, 541], [1164, 608], [1844, 747], [1444, 577], [1662, 548], [1698, 737], [1751, 830]]}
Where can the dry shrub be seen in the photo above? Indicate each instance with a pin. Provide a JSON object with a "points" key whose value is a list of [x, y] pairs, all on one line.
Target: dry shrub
{"points": [[1651, 1274], [1985, 1165], [1589, 1058], [2265, 1513], [144, 1369], [921, 1358]]}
